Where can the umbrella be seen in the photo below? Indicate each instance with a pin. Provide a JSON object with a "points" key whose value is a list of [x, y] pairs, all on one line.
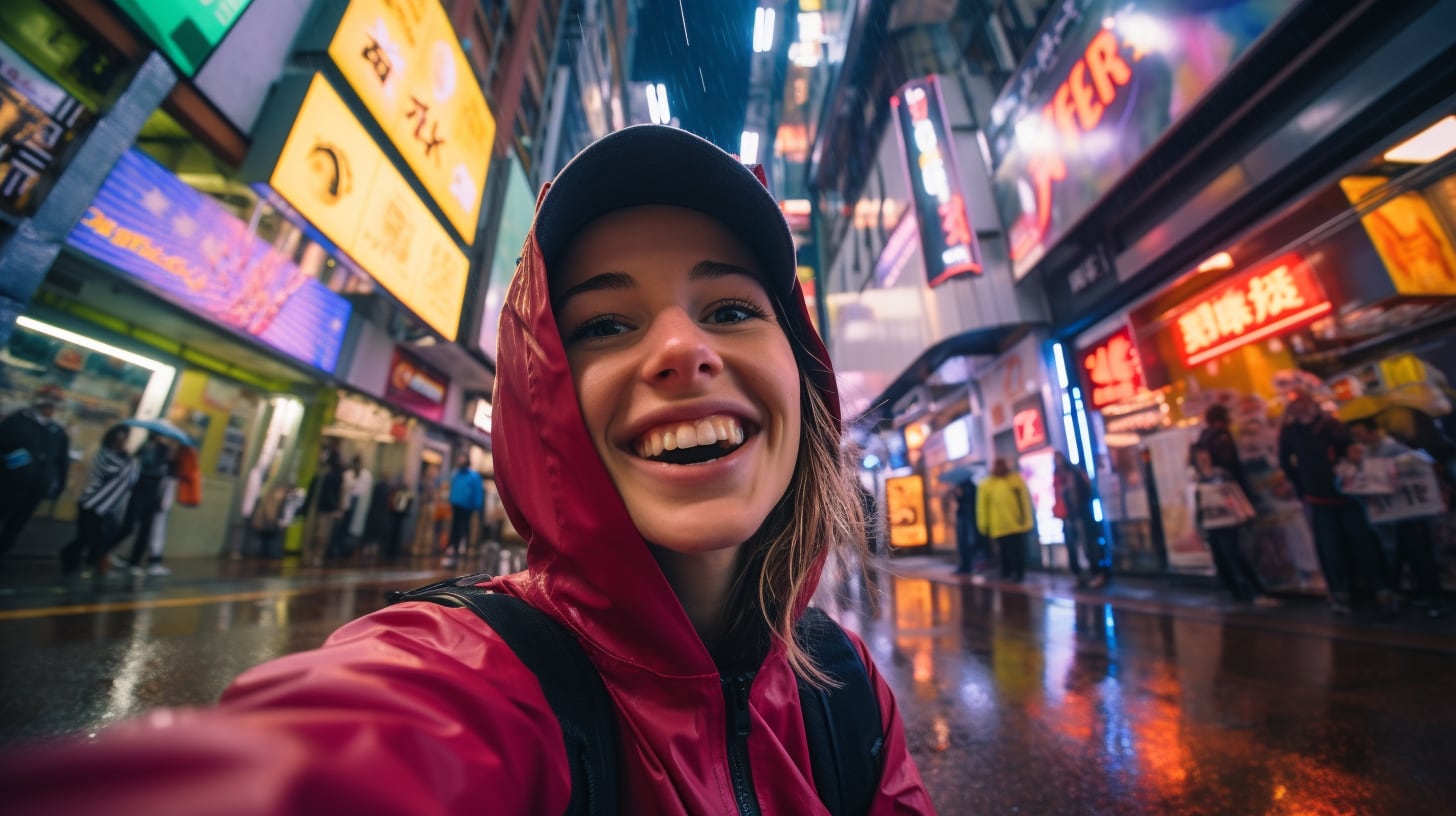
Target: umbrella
{"points": [[956, 475], [162, 427]]}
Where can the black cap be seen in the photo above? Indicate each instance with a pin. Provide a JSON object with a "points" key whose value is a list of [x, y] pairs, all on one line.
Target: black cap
{"points": [[667, 166]]}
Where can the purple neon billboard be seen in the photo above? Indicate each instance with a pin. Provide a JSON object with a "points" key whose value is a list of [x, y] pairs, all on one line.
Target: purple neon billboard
{"points": [[184, 245]]}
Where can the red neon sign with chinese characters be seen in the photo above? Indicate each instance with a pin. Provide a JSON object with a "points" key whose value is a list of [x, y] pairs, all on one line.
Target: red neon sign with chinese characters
{"points": [[1276, 298], [1114, 369], [1029, 424]]}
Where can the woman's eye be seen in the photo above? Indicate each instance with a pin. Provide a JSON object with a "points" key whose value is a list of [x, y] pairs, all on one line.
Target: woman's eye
{"points": [[735, 311], [598, 328]]}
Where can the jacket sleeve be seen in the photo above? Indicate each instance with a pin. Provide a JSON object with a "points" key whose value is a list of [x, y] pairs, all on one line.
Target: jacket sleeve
{"points": [[416, 709], [902, 792]]}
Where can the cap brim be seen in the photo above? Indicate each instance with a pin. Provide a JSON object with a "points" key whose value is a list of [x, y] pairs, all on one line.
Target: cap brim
{"points": [[659, 165]]}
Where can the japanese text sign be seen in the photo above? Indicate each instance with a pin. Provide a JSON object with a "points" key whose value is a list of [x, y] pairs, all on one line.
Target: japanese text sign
{"points": [[192, 251], [416, 386], [337, 178], [404, 60], [1277, 297], [1028, 422], [1100, 85], [1113, 367], [946, 236], [185, 30]]}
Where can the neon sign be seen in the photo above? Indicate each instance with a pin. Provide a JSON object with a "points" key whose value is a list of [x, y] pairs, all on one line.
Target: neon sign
{"points": [[416, 386], [1029, 424], [946, 237], [1114, 369], [1103, 82], [1278, 297]]}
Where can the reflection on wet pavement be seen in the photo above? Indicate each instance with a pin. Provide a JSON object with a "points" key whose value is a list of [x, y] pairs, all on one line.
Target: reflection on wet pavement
{"points": [[1011, 702]]}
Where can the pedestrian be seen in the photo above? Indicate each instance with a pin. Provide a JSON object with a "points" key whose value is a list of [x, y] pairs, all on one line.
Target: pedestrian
{"points": [[467, 498], [401, 502], [267, 522], [35, 459], [1073, 506], [1222, 509], [1310, 443], [102, 503], [154, 465], [360, 495], [1217, 438], [326, 496], [1004, 513], [667, 438], [1408, 542], [967, 535]]}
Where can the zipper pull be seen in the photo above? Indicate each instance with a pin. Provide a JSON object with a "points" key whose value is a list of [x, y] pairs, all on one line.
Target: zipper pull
{"points": [[742, 719]]}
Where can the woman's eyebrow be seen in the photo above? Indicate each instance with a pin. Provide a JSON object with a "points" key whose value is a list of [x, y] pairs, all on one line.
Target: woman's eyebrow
{"points": [[707, 270], [597, 283]]}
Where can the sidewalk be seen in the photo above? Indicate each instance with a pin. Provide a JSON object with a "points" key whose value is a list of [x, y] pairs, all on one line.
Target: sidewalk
{"points": [[1187, 597]]}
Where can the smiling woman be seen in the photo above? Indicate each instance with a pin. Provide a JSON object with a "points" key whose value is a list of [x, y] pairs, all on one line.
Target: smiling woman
{"points": [[668, 441]]}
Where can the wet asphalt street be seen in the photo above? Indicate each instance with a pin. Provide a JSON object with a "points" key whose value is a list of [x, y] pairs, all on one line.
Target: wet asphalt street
{"points": [[1141, 698]]}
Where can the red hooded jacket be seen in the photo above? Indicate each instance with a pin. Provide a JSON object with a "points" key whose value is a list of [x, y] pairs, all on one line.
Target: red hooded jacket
{"points": [[423, 709]]}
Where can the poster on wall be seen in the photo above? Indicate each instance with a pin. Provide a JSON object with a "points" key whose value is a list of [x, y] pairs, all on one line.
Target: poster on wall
{"points": [[150, 225], [905, 511], [230, 455], [40, 120], [1102, 82], [1168, 451], [947, 238]]}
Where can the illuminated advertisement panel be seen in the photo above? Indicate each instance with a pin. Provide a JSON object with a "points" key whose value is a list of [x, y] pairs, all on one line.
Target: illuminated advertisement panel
{"points": [[1278, 297], [333, 173], [1028, 421], [1104, 80], [186, 246], [404, 61], [1113, 368], [905, 511], [946, 236], [185, 30], [40, 120], [416, 386]]}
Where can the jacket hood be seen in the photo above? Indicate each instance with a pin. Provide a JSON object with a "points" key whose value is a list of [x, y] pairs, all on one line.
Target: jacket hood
{"points": [[587, 566]]}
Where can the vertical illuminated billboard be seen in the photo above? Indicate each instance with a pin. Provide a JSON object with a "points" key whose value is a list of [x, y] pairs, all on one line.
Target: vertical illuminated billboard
{"points": [[946, 236], [1102, 82]]}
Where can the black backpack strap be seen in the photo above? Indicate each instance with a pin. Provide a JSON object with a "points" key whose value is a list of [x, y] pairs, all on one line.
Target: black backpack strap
{"points": [[843, 722], [570, 682]]}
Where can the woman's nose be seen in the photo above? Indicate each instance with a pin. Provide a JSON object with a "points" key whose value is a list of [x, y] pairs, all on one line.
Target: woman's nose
{"points": [[680, 351]]}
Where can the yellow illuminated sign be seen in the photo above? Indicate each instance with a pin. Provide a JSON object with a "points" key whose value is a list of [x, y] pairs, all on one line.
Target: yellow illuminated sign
{"points": [[334, 174], [403, 59], [1409, 238], [905, 510]]}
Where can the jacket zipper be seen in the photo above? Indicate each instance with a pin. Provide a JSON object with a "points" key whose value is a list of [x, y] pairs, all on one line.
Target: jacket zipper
{"points": [[735, 694]]}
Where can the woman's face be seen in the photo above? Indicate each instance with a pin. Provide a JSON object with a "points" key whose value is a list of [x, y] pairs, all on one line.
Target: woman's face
{"points": [[686, 381]]}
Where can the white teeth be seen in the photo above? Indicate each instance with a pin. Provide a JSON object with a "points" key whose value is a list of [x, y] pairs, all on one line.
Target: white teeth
{"points": [[687, 436], [706, 431]]}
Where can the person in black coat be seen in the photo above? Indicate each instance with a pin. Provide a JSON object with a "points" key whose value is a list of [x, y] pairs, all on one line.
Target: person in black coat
{"points": [[35, 458], [967, 536]]}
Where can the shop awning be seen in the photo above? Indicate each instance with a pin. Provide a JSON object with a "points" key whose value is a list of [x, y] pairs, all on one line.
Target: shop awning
{"points": [[977, 342]]}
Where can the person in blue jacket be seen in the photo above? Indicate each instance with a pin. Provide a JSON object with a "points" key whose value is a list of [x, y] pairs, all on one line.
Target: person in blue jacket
{"points": [[467, 497]]}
